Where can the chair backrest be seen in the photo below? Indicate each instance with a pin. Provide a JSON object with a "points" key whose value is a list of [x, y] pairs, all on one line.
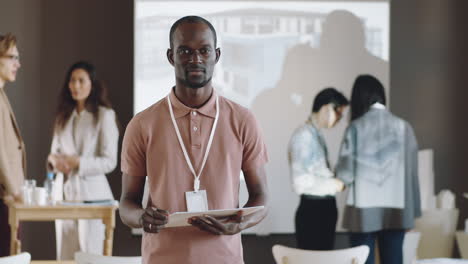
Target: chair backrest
{"points": [[87, 258], [23, 258], [287, 255], [437, 229], [410, 246]]}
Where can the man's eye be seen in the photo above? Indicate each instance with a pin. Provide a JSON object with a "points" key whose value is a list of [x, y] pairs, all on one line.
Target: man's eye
{"points": [[183, 51], [205, 51]]}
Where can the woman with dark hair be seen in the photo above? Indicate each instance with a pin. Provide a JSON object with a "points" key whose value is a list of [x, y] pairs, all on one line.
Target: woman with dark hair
{"points": [[378, 161], [367, 91], [84, 149]]}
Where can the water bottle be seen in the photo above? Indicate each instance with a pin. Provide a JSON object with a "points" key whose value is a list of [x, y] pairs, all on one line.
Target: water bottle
{"points": [[49, 187]]}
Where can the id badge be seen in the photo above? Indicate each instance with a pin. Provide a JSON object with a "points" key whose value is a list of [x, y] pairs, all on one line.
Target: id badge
{"points": [[196, 201]]}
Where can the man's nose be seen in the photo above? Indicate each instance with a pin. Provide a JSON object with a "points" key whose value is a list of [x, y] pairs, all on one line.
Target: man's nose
{"points": [[196, 57]]}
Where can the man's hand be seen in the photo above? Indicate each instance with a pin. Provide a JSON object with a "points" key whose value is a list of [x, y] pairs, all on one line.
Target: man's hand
{"points": [[224, 225], [255, 180], [153, 219]]}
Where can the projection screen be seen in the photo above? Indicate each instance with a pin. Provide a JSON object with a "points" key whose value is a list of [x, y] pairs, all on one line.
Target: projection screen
{"points": [[276, 55]]}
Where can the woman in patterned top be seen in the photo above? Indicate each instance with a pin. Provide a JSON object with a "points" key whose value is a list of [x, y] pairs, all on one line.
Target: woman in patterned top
{"points": [[311, 176]]}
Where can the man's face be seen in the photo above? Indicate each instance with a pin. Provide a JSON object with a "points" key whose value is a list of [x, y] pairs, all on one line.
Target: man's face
{"points": [[9, 65], [193, 54]]}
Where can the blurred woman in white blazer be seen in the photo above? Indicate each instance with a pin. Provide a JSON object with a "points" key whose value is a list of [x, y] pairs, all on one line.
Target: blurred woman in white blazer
{"points": [[84, 148]]}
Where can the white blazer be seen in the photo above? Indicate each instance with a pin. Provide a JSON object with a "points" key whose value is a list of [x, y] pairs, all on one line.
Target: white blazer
{"points": [[96, 146]]}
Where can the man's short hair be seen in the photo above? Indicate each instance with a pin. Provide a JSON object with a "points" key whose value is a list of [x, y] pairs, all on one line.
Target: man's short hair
{"points": [[329, 96], [190, 19], [6, 42]]}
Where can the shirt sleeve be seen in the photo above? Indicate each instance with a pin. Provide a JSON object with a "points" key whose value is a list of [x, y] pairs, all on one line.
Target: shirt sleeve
{"points": [[5, 182], [308, 165], [254, 152], [106, 159], [54, 149], [412, 169], [55, 146], [346, 159], [133, 158]]}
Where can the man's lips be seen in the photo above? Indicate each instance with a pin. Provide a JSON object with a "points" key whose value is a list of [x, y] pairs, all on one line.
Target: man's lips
{"points": [[196, 70]]}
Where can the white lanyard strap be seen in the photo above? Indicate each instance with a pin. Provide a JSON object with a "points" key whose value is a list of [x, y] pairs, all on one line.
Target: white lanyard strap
{"points": [[196, 183]]}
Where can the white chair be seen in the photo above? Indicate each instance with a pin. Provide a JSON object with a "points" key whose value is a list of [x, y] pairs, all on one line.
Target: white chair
{"points": [[437, 228], [23, 258], [287, 255], [462, 241], [86, 258], [442, 261], [410, 247]]}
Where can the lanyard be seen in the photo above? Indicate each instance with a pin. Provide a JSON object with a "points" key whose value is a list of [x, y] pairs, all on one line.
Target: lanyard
{"points": [[196, 183]]}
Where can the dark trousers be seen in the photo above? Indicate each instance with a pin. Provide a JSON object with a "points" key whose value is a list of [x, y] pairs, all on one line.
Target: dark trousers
{"points": [[390, 245], [4, 230], [315, 222]]}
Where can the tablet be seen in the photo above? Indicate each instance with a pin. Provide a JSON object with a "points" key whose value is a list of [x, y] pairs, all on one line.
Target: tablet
{"points": [[179, 219], [88, 202]]}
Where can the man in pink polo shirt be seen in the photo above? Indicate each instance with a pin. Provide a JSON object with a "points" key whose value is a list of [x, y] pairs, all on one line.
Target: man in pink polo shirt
{"points": [[192, 145]]}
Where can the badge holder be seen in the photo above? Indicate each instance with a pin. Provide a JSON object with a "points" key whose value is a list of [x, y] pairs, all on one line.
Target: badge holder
{"points": [[196, 201]]}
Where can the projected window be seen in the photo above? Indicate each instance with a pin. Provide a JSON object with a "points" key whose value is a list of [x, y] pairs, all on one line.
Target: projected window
{"points": [[275, 57]]}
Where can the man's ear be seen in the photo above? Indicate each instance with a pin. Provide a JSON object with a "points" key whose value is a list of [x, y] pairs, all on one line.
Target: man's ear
{"points": [[170, 56], [218, 54]]}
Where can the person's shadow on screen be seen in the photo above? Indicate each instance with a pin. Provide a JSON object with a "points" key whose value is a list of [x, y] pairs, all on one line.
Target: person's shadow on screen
{"points": [[339, 59]]}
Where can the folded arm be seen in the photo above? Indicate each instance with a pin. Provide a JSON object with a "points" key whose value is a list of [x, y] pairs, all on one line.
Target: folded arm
{"points": [[309, 169]]}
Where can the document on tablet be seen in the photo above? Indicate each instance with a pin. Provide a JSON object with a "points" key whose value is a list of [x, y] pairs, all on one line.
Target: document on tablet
{"points": [[179, 219]]}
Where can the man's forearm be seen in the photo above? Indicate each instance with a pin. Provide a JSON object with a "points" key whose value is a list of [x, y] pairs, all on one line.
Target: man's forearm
{"points": [[257, 217], [130, 213]]}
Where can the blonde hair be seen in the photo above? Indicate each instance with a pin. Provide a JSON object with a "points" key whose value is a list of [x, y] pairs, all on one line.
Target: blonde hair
{"points": [[6, 42]]}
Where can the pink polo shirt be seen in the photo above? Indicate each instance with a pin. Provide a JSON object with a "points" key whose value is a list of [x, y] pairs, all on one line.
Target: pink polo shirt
{"points": [[150, 147]]}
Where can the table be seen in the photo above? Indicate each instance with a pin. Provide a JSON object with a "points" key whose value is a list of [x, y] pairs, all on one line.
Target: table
{"points": [[20, 212], [52, 262]]}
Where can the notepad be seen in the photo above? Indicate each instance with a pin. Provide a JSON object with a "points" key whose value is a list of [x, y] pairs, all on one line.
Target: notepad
{"points": [[180, 219]]}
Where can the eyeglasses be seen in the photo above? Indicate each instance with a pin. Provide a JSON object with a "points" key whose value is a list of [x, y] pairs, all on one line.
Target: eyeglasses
{"points": [[11, 57]]}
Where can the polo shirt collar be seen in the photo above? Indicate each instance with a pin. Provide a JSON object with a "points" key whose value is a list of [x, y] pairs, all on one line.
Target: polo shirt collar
{"points": [[208, 109]]}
